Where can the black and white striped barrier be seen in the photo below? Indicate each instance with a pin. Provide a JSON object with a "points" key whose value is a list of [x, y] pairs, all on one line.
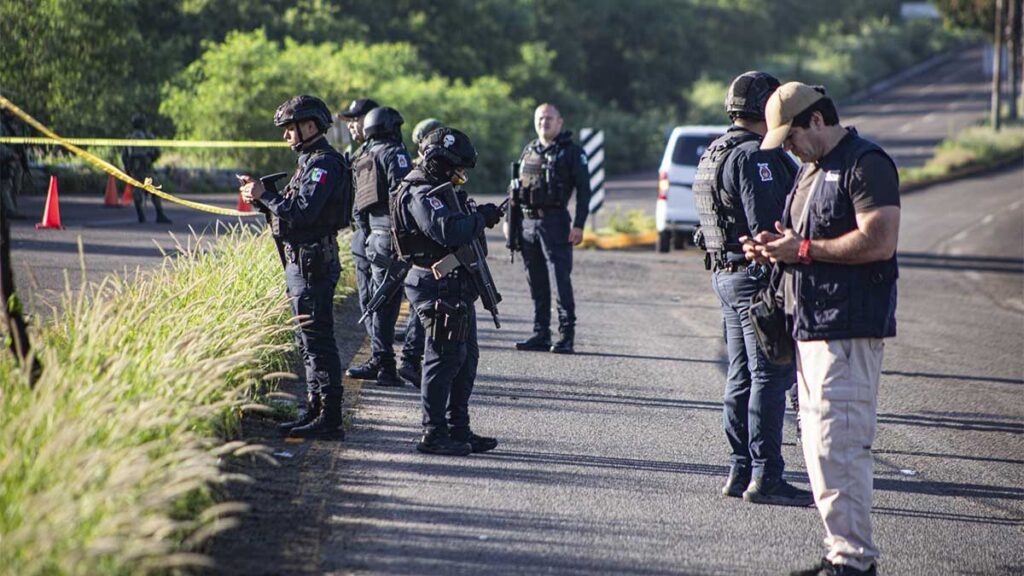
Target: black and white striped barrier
{"points": [[593, 144]]}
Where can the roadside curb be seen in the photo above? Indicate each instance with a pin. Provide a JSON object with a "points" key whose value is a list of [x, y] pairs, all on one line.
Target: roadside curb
{"points": [[618, 241], [965, 172]]}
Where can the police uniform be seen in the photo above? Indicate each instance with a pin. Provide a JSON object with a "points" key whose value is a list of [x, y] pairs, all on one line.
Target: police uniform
{"points": [[740, 190], [427, 229], [360, 233], [305, 218], [379, 171], [548, 176], [138, 163]]}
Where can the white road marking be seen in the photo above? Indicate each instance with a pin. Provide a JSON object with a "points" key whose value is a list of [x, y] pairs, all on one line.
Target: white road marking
{"points": [[961, 235], [988, 219], [906, 128]]}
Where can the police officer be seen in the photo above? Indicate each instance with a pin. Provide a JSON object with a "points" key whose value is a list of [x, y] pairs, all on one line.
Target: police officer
{"points": [[428, 228], [740, 190], [424, 128], [13, 167], [378, 170], [305, 219], [354, 116], [551, 167], [138, 163]]}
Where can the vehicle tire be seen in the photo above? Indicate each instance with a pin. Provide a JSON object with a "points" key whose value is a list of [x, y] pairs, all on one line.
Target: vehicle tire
{"points": [[679, 240], [664, 241]]}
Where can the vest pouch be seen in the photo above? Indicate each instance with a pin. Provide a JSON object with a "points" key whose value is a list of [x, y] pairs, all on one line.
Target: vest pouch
{"points": [[771, 328], [367, 183]]}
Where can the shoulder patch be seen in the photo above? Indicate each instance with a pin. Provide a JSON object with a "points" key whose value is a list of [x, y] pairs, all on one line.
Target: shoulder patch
{"points": [[317, 175], [435, 203], [832, 176], [583, 158], [403, 161], [764, 172]]}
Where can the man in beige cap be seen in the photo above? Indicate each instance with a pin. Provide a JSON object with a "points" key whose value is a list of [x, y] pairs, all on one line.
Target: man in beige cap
{"points": [[838, 240]]}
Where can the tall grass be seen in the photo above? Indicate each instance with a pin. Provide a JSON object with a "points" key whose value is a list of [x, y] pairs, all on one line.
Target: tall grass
{"points": [[107, 465], [975, 147]]}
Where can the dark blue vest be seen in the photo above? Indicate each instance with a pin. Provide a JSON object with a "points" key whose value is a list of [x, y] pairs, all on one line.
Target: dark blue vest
{"points": [[839, 301]]}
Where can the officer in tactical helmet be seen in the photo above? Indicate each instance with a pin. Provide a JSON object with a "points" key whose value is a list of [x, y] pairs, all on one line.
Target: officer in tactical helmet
{"points": [[138, 163], [305, 218], [551, 168], [354, 116], [424, 128], [431, 220], [378, 170], [739, 191]]}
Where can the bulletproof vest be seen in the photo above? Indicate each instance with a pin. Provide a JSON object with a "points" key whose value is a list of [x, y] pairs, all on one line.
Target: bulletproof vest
{"points": [[839, 301], [716, 220], [371, 182], [336, 213], [145, 152], [410, 243], [541, 185]]}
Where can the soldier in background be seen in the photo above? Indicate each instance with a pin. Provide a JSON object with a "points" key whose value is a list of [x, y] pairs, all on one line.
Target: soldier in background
{"points": [[13, 167], [138, 163]]}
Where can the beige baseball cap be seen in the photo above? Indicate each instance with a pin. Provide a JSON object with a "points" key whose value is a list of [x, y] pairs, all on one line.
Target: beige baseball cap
{"points": [[786, 103]]}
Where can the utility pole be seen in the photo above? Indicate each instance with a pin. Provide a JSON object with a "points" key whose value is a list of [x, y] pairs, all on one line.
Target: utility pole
{"points": [[997, 66], [1013, 46]]}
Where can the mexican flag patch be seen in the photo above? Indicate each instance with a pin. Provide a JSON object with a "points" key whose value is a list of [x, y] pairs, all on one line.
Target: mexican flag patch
{"points": [[317, 175]]}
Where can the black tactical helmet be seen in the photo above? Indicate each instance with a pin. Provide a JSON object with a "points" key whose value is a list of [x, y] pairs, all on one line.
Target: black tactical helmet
{"points": [[748, 94], [139, 121], [446, 149], [424, 128], [303, 108], [382, 121]]}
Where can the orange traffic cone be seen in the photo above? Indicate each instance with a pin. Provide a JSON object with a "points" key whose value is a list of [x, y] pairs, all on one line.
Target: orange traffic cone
{"points": [[51, 214], [243, 206], [127, 198], [110, 197]]}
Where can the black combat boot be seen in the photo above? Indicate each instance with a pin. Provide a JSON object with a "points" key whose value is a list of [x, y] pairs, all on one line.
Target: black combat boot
{"points": [[539, 342], [566, 341], [366, 371], [776, 491], [826, 568], [411, 370], [328, 424], [739, 479], [387, 376], [477, 443], [313, 407], [441, 443]]}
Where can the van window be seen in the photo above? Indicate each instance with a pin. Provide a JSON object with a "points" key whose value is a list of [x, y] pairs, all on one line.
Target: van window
{"points": [[689, 149]]}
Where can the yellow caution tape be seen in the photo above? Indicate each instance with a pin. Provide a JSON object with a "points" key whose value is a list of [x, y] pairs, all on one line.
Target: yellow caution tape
{"points": [[153, 142], [114, 170]]}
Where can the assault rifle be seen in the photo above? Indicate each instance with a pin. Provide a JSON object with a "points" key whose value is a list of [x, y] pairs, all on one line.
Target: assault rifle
{"points": [[270, 183], [514, 214], [394, 276], [471, 257]]}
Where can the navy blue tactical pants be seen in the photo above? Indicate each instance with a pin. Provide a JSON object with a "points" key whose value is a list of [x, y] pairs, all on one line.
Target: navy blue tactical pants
{"points": [[546, 243], [362, 273], [449, 368], [312, 295], [382, 336], [755, 389]]}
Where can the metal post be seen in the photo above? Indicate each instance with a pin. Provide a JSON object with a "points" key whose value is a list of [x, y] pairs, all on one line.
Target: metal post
{"points": [[1013, 43], [997, 66]]}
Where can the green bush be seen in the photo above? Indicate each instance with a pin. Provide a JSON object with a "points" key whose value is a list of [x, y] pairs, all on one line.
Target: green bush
{"points": [[108, 463], [980, 146]]}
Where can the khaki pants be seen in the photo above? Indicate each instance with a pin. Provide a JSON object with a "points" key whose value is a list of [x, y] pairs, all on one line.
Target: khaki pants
{"points": [[838, 383]]}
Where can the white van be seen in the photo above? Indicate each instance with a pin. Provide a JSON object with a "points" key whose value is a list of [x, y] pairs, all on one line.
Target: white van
{"points": [[675, 214]]}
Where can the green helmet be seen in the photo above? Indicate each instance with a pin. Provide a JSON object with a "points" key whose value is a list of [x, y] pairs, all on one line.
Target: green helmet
{"points": [[425, 127]]}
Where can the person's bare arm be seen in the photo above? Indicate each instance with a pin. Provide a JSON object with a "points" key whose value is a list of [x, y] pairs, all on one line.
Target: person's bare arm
{"points": [[873, 240]]}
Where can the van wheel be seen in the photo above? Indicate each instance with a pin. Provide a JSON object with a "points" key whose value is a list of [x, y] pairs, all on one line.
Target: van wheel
{"points": [[664, 241], [679, 241]]}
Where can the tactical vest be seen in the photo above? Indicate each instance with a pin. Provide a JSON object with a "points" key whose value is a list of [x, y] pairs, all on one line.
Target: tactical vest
{"points": [[411, 244], [336, 213], [542, 186], [716, 220], [838, 301], [371, 181]]}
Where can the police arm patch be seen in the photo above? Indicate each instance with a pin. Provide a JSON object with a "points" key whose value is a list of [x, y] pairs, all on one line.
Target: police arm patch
{"points": [[403, 161], [318, 175], [764, 172], [435, 203]]}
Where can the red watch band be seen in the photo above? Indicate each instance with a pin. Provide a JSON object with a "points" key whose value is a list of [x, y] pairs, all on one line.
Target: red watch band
{"points": [[803, 255]]}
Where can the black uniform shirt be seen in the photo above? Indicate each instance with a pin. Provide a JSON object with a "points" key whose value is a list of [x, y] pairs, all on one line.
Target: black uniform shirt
{"points": [[306, 203], [572, 168], [760, 179]]}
